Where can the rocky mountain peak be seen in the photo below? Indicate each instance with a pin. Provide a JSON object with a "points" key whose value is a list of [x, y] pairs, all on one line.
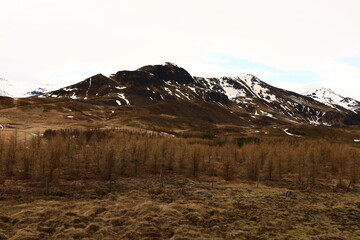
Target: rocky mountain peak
{"points": [[169, 72]]}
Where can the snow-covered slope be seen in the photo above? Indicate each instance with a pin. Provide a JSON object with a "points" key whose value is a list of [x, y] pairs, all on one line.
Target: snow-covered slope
{"points": [[256, 96], [14, 89], [41, 89], [329, 97]]}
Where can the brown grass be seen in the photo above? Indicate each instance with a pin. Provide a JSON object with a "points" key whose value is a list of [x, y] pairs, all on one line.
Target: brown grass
{"points": [[112, 184], [140, 208]]}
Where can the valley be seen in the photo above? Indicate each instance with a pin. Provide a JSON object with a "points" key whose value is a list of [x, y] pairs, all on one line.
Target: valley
{"points": [[157, 153]]}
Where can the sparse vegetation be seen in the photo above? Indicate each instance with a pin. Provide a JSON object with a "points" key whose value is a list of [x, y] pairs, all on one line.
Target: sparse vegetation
{"points": [[122, 184], [106, 154]]}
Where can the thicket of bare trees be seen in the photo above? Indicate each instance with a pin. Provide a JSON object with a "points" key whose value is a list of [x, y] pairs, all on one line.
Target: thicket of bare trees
{"points": [[106, 154]]}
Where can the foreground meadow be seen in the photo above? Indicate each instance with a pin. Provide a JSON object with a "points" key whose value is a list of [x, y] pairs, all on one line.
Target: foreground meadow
{"points": [[179, 208]]}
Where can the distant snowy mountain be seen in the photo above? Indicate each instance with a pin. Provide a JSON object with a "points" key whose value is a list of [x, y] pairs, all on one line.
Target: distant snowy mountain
{"points": [[329, 97], [13, 89], [6, 88], [43, 88]]}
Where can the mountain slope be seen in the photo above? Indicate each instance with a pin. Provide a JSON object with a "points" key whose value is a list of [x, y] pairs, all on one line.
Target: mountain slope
{"points": [[244, 98], [329, 97]]}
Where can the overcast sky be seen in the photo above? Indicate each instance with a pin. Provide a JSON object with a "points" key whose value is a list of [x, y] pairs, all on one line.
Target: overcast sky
{"points": [[288, 43]]}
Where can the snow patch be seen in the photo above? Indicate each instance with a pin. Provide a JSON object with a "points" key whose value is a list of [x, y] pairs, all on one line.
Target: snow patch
{"points": [[87, 91], [69, 89], [267, 114], [120, 88], [72, 96], [122, 96], [253, 84], [290, 134], [37, 135], [168, 91], [192, 89]]}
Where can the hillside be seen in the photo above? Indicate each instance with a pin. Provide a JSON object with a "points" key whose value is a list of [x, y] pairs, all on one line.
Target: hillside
{"points": [[168, 98], [243, 96]]}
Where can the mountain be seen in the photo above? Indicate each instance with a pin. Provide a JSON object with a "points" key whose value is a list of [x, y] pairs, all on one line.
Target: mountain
{"points": [[17, 90], [241, 100], [41, 89], [330, 98]]}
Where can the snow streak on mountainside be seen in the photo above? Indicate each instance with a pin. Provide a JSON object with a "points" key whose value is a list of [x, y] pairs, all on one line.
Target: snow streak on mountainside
{"points": [[329, 97]]}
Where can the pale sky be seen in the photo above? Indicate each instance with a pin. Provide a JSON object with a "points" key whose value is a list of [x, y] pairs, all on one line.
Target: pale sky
{"points": [[288, 43]]}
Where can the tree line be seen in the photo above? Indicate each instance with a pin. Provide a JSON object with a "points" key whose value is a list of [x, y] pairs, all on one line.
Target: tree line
{"points": [[107, 154]]}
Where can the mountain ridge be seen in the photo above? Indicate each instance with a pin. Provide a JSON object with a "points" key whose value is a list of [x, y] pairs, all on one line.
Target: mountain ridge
{"points": [[242, 100], [242, 94]]}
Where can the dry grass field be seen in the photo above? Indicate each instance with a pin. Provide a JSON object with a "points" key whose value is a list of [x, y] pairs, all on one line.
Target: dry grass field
{"points": [[132, 184], [181, 208], [154, 178]]}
